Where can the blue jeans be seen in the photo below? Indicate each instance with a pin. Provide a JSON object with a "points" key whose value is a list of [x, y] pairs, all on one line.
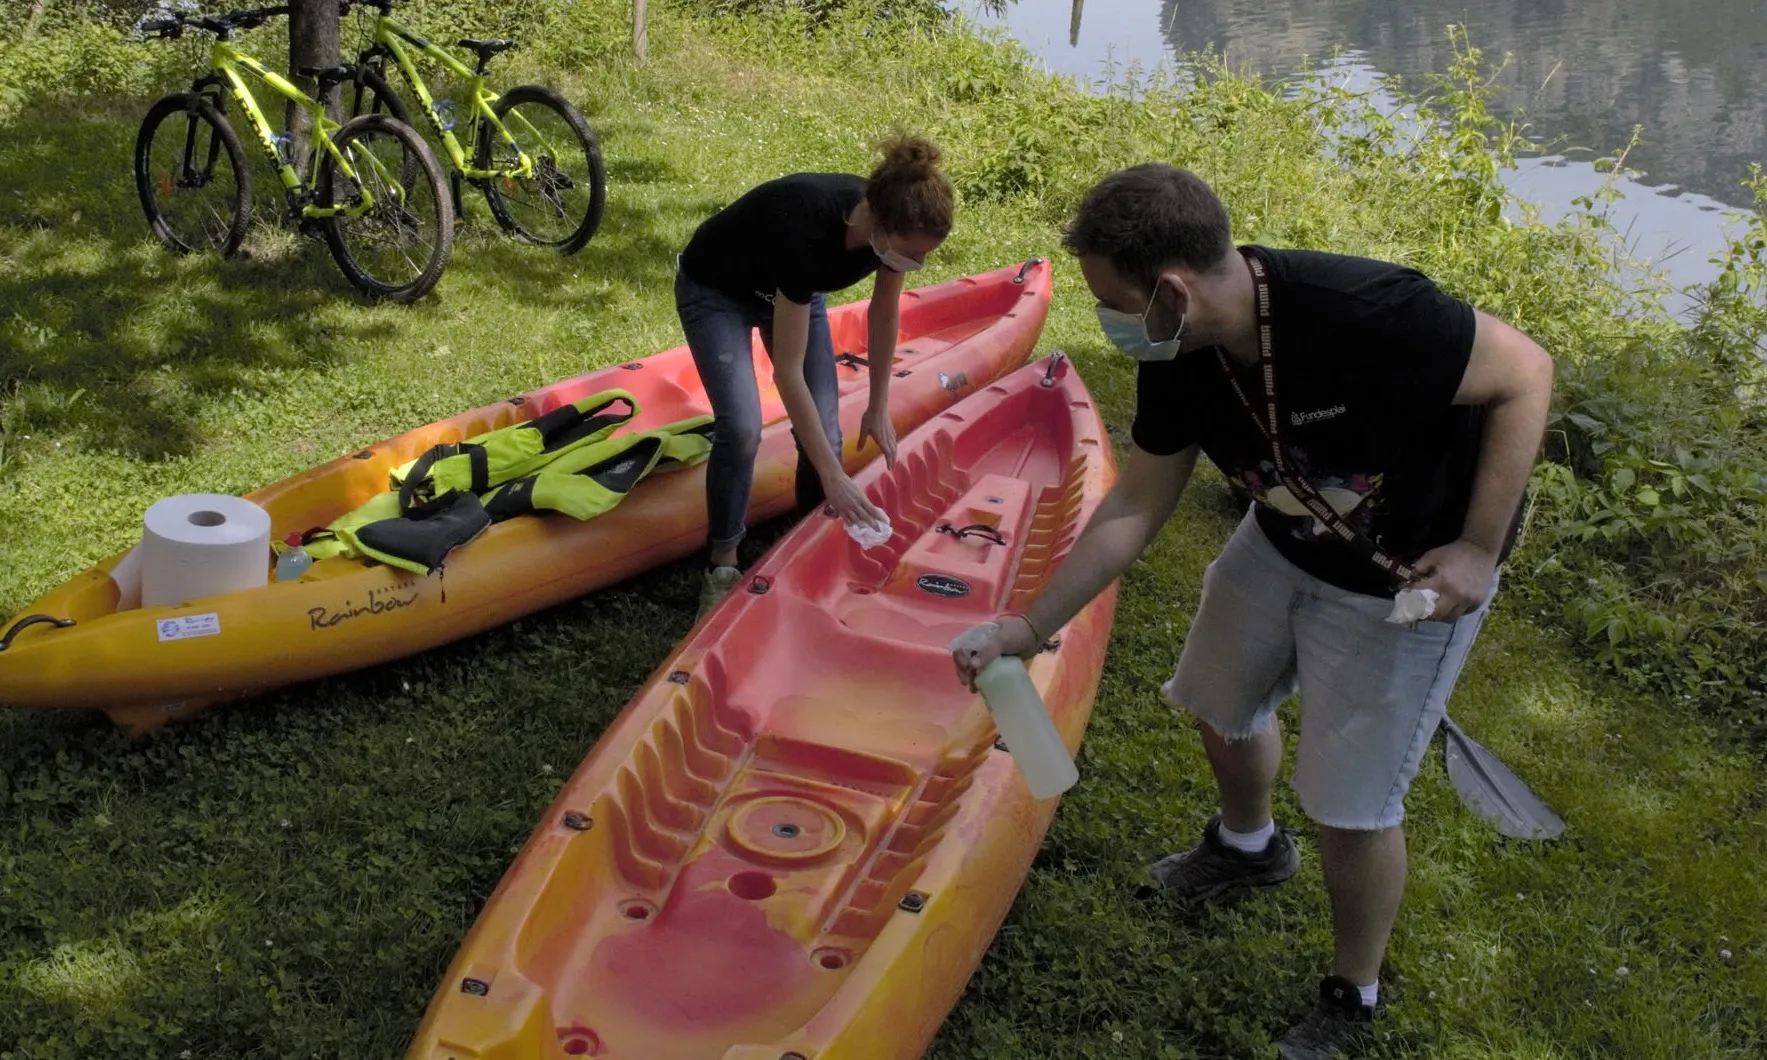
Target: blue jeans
{"points": [[718, 327]]}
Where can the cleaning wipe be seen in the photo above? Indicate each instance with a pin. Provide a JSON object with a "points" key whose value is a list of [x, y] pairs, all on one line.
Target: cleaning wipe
{"points": [[1413, 605], [867, 536]]}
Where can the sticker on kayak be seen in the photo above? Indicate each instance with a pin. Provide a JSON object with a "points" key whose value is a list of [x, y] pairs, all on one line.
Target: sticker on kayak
{"points": [[187, 626], [943, 585]]}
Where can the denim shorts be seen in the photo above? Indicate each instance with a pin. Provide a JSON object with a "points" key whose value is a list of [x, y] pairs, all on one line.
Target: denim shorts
{"points": [[1372, 692]]}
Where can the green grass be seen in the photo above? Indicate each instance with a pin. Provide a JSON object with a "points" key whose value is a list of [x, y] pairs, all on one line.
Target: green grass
{"points": [[288, 877]]}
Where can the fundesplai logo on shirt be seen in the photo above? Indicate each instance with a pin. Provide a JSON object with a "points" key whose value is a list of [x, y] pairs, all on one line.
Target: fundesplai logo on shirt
{"points": [[1301, 419]]}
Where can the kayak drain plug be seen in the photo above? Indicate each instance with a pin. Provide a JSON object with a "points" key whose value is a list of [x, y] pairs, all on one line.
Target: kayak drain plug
{"points": [[913, 902]]}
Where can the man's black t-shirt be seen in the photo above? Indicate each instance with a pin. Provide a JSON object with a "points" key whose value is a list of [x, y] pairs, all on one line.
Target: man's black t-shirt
{"points": [[1368, 357], [788, 234]]}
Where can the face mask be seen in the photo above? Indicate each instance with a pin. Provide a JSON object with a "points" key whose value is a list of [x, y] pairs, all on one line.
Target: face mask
{"points": [[1129, 332], [891, 259]]}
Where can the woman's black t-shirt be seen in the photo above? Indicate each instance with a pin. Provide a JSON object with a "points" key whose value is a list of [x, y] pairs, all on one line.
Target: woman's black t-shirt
{"points": [[788, 234], [1368, 357]]}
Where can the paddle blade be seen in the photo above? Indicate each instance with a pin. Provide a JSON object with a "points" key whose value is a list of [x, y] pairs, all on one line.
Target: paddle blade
{"points": [[1489, 789]]}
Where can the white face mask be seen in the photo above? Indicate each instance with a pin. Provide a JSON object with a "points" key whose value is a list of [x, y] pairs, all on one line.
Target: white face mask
{"points": [[891, 259], [1129, 333]]}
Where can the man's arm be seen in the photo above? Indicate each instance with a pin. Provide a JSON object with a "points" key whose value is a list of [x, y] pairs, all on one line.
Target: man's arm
{"points": [[1511, 376], [1146, 492]]}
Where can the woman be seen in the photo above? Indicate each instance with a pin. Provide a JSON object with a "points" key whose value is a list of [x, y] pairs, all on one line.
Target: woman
{"points": [[767, 261]]}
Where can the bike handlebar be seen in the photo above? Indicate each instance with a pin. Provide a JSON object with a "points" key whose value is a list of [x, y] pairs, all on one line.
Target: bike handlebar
{"points": [[221, 25]]}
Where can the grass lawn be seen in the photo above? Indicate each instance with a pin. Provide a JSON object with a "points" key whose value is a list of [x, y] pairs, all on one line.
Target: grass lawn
{"points": [[287, 877]]}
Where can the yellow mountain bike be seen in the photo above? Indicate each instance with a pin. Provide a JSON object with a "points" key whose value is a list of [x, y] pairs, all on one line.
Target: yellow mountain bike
{"points": [[373, 186], [533, 154]]}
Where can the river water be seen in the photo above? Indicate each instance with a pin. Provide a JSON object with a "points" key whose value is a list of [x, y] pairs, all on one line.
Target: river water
{"points": [[1580, 73]]}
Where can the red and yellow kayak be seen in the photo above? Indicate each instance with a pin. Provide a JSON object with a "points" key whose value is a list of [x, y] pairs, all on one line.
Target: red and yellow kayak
{"points": [[799, 838], [73, 648]]}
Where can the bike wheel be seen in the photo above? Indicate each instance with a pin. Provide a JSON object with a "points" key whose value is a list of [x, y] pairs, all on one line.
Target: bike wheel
{"points": [[191, 174], [396, 250], [560, 205], [369, 93]]}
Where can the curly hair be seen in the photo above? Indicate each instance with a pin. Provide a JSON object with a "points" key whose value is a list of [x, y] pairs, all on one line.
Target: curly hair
{"points": [[906, 193]]}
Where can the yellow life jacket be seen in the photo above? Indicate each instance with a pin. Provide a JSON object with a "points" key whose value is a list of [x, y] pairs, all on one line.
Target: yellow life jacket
{"points": [[495, 457], [585, 475]]}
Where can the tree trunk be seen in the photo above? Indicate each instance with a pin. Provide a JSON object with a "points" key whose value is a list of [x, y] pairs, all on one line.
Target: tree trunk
{"points": [[640, 46], [312, 43], [31, 19]]}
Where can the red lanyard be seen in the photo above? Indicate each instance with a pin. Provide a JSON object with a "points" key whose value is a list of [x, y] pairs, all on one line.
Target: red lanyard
{"points": [[1270, 427]]}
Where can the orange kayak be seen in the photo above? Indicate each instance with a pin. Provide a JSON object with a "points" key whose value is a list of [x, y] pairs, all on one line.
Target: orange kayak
{"points": [[798, 839], [73, 647]]}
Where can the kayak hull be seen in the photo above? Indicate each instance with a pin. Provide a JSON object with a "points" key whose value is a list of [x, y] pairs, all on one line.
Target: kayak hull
{"points": [[801, 835], [146, 666]]}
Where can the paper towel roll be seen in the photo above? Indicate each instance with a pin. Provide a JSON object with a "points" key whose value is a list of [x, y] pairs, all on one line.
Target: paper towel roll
{"points": [[200, 544], [127, 575]]}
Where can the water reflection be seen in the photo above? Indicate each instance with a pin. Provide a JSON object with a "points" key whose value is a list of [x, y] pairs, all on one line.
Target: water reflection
{"points": [[1580, 75]]}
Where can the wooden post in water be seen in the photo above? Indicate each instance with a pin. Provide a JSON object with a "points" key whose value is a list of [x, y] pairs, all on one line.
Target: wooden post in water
{"points": [[1074, 23]]}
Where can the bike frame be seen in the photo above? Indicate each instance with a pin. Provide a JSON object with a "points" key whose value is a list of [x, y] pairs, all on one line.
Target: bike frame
{"points": [[395, 39], [225, 62]]}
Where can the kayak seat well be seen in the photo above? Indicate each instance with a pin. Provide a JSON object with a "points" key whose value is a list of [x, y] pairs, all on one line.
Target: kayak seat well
{"points": [[712, 821]]}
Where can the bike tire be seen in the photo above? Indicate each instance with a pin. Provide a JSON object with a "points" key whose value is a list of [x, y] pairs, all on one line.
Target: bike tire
{"points": [[198, 108], [368, 84], [579, 127], [429, 173]]}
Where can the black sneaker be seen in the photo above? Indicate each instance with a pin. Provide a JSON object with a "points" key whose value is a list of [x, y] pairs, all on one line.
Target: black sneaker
{"points": [[1207, 869], [1339, 1027]]}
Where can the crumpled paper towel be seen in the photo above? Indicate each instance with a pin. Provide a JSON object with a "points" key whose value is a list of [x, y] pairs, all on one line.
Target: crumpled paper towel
{"points": [[869, 537], [1413, 605]]}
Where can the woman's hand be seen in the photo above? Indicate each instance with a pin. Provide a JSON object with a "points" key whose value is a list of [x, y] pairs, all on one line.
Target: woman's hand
{"points": [[876, 425], [850, 503]]}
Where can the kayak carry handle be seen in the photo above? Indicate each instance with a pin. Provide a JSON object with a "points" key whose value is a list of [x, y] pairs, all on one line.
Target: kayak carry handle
{"points": [[1030, 263], [1055, 360], [32, 620], [981, 530]]}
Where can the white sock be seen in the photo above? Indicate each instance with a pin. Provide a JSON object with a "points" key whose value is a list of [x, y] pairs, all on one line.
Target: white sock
{"points": [[1248, 842], [1370, 993]]}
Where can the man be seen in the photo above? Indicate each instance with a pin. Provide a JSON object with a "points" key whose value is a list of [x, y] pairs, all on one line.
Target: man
{"points": [[1407, 424]]}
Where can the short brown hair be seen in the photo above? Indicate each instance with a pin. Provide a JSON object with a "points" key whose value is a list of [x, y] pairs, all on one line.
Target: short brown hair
{"points": [[1148, 217], [906, 192]]}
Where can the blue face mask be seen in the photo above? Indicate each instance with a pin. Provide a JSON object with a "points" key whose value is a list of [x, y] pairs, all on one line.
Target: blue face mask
{"points": [[1129, 333]]}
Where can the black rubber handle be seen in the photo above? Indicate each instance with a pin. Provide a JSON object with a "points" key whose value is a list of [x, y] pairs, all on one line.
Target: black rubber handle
{"points": [[29, 621]]}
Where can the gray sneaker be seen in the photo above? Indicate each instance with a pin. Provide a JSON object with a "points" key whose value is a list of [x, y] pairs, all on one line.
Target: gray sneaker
{"points": [[717, 584], [1211, 867], [1339, 1027]]}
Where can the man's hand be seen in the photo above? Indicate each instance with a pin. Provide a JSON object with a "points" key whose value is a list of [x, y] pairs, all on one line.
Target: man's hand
{"points": [[1460, 572], [979, 645]]}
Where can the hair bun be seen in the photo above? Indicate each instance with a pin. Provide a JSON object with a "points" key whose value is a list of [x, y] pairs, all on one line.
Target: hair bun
{"points": [[912, 157]]}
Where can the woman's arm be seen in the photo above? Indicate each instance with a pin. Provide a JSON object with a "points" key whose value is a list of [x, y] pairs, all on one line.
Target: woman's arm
{"points": [[791, 333], [883, 323]]}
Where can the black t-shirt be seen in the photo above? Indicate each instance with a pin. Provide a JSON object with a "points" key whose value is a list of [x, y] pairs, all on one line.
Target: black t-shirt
{"points": [[788, 235], [1368, 357]]}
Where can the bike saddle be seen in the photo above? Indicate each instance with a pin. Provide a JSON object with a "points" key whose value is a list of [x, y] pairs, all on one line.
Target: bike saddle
{"points": [[484, 49], [328, 75]]}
